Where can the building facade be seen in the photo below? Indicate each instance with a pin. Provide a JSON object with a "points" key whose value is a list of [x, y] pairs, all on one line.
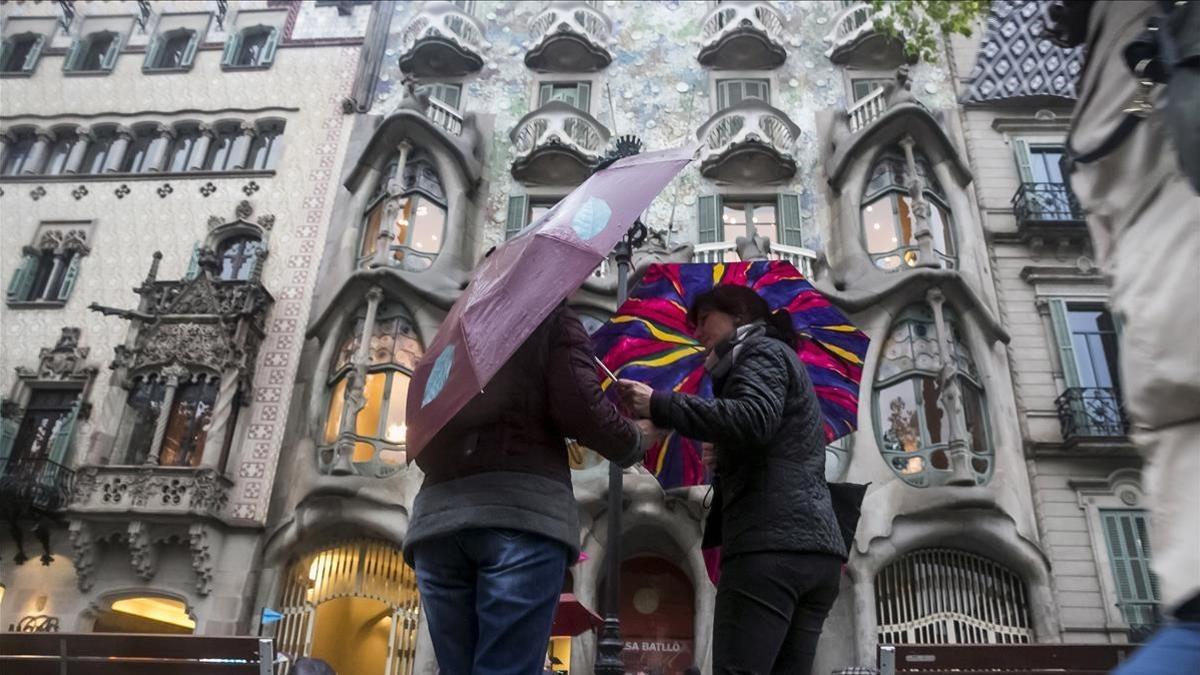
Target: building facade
{"points": [[245, 450]]}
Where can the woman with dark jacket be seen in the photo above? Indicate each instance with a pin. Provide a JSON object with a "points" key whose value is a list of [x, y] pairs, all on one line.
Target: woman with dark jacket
{"points": [[781, 548]]}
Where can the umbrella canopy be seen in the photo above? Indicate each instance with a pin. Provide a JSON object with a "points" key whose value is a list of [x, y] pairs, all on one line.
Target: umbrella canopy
{"points": [[523, 280], [572, 617], [649, 340]]}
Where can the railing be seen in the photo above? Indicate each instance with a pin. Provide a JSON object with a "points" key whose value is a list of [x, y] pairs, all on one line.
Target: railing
{"points": [[574, 17], [443, 20], [35, 482], [856, 19], [444, 116], [750, 120], [867, 110], [726, 251], [1046, 203], [737, 14], [1143, 619], [559, 123], [1091, 412]]}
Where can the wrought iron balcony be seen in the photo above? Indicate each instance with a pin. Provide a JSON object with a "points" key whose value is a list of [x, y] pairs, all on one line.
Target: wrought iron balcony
{"points": [[748, 143], [571, 37], [726, 251], [1091, 413], [34, 484], [1143, 618], [442, 41], [1046, 204], [743, 35], [557, 144], [854, 40]]}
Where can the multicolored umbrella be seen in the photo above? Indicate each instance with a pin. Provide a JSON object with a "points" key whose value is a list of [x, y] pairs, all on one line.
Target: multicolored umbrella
{"points": [[649, 340], [523, 280]]}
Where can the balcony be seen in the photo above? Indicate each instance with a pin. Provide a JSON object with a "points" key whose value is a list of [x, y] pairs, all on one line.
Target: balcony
{"points": [[726, 251], [748, 143], [1092, 414], [161, 490], [1048, 211], [572, 37], [34, 485], [557, 144], [743, 35], [854, 41], [442, 41], [449, 119]]}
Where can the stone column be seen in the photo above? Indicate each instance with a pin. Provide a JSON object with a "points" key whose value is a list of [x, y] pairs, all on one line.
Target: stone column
{"points": [[200, 147], [391, 210], [959, 450], [75, 160], [159, 148], [37, 154], [222, 416], [920, 208], [355, 400], [60, 258], [240, 152], [116, 152], [174, 374]]}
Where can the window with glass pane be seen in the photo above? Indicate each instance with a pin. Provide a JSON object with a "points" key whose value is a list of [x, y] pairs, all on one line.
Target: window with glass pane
{"points": [[238, 255], [740, 218], [577, 94], [187, 425], [21, 52], [732, 92], [142, 408], [173, 49], [47, 411], [97, 152], [48, 276], [863, 87], [180, 153], [889, 225], [138, 152], [219, 150], [96, 47], [264, 151], [392, 353], [1094, 337], [1045, 163], [914, 426], [449, 94], [58, 153], [418, 231], [1126, 533], [539, 208], [253, 47], [18, 153]]}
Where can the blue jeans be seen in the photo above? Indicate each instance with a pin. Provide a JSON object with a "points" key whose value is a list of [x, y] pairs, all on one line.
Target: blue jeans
{"points": [[1174, 650], [489, 597]]}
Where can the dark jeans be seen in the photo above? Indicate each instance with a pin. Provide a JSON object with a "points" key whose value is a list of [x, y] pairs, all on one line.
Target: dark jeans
{"points": [[770, 608], [489, 596]]}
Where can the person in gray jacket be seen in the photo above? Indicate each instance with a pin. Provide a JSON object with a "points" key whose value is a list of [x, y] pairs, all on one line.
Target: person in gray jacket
{"points": [[781, 548]]}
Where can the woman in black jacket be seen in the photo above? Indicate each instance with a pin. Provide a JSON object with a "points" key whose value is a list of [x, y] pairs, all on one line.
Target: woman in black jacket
{"points": [[782, 550]]}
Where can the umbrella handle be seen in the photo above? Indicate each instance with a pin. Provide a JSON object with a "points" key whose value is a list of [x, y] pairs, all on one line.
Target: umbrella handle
{"points": [[603, 367]]}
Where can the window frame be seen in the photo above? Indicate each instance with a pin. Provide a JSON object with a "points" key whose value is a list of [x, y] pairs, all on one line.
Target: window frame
{"points": [[409, 192], [32, 57], [155, 51], [235, 45], [544, 93], [268, 139], [722, 86], [895, 192], [24, 142], [82, 47]]}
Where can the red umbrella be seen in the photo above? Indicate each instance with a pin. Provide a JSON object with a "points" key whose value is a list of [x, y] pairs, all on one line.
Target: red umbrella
{"points": [[523, 280], [572, 618]]}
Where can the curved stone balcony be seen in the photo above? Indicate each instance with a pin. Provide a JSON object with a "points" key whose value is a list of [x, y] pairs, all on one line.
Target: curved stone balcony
{"points": [[748, 143], [854, 41], [743, 35], [572, 37], [557, 144], [726, 251], [442, 41]]}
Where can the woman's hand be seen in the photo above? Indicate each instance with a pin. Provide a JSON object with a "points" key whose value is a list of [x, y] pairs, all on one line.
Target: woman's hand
{"points": [[635, 396], [708, 456]]}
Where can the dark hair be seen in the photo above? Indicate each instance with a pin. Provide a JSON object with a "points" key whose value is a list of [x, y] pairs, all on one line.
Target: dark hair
{"points": [[745, 306]]}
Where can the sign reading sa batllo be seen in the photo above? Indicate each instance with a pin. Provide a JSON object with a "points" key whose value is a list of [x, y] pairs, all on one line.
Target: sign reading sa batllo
{"points": [[662, 656]]}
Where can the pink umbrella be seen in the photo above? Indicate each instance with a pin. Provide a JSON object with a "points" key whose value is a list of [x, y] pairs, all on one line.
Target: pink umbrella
{"points": [[523, 280]]}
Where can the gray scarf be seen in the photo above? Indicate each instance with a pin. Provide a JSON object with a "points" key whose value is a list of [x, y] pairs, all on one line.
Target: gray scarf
{"points": [[722, 357]]}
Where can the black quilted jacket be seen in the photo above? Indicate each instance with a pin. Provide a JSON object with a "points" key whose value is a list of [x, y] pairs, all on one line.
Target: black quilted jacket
{"points": [[766, 426]]}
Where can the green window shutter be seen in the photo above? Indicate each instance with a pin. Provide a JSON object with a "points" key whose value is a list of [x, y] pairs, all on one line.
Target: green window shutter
{"points": [[5, 50], [8, 434], [723, 90], [1125, 534], [35, 52], [518, 211], [1021, 153], [1066, 348], [69, 277], [73, 54], [229, 56], [189, 53], [585, 97], [791, 230], [22, 279], [193, 268], [544, 94], [268, 52], [110, 56], [60, 440], [152, 50], [709, 219]]}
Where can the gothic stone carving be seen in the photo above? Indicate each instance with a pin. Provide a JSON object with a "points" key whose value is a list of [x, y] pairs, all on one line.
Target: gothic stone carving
{"points": [[65, 361], [143, 554], [83, 547], [202, 559]]}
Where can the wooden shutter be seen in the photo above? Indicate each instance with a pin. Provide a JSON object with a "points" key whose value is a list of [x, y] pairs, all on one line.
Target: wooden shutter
{"points": [[22, 279], [268, 53], [518, 211], [229, 56], [791, 230], [60, 440], [6, 48], [709, 219], [1129, 554], [189, 52], [35, 52], [1066, 348], [73, 54], [69, 277], [110, 56], [584, 96], [1021, 154], [152, 50], [193, 268]]}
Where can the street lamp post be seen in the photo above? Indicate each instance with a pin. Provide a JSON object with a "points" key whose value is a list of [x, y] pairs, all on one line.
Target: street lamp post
{"points": [[610, 644]]}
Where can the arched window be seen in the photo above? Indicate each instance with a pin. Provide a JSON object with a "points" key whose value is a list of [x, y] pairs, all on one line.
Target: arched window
{"points": [[138, 154], [19, 53], [264, 151], [179, 156], [172, 50], [95, 52], [145, 614], [238, 255], [889, 225], [18, 152], [393, 350], [97, 150], [910, 414], [220, 155], [420, 220], [188, 418], [64, 139], [947, 596], [252, 47]]}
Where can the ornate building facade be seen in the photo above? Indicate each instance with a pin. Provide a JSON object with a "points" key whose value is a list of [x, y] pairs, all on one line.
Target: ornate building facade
{"points": [[233, 440]]}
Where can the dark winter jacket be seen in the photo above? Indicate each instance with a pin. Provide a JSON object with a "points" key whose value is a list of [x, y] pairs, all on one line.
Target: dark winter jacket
{"points": [[766, 426], [502, 460]]}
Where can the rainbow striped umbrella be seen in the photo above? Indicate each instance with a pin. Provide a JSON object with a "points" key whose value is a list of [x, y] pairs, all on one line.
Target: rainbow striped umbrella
{"points": [[649, 340]]}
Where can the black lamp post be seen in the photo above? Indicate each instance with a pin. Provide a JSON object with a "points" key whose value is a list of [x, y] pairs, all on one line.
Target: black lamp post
{"points": [[610, 644]]}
